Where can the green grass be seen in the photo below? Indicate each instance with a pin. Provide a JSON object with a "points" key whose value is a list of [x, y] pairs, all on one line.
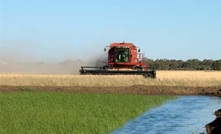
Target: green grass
{"points": [[48, 112]]}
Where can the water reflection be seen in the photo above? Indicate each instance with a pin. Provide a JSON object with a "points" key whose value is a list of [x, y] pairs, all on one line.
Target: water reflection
{"points": [[186, 115]]}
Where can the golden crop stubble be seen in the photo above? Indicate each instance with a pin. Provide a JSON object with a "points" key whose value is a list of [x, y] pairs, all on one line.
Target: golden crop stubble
{"points": [[164, 78], [191, 78]]}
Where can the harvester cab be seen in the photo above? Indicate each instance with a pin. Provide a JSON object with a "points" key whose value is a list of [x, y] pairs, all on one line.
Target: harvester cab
{"points": [[123, 58]]}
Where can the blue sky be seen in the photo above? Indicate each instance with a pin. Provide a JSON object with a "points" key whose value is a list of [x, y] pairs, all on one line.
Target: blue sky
{"points": [[55, 30]]}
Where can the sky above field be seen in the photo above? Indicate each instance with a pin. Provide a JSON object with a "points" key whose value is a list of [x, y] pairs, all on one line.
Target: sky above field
{"points": [[56, 30]]}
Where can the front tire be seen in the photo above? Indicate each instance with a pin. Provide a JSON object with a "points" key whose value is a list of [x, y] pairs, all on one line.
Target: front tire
{"points": [[138, 68]]}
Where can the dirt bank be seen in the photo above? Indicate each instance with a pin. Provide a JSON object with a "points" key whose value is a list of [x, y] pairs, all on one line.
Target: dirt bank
{"points": [[140, 89]]}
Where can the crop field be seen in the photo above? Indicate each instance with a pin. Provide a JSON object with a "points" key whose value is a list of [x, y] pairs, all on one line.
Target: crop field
{"points": [[53, 112], [164, 78]]}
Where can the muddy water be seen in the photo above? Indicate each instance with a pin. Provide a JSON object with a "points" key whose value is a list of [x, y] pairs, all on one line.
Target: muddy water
{"points": [[185, 115]]}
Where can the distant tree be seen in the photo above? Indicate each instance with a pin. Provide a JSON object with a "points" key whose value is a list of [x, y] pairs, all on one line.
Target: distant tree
{"points": [[206, 64], [174, 65], [191, 64], [180, 64], [216, 65], [185, 66]]}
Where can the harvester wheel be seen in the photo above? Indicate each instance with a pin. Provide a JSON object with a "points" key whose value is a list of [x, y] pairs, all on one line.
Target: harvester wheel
{"points": [[138, 68]]}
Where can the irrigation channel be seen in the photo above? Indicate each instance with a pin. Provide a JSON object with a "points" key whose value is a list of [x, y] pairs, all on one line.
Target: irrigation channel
{"points": [[185, 115]]}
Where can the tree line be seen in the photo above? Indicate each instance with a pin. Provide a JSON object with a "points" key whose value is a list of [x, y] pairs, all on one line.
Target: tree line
{"points": [[191, 64]]}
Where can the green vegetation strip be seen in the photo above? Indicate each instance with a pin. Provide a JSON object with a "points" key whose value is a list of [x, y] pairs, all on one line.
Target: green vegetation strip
{"points": [[44, 112]]}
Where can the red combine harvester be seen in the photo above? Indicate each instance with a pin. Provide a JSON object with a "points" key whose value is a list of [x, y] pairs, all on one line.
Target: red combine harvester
{"points": [[123, 59]]}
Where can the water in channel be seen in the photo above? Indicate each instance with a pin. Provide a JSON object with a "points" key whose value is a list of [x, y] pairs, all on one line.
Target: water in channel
{"points": [[185, 115]]}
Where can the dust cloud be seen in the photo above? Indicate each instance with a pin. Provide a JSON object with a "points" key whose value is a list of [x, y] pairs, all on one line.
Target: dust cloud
{"points": [[66, 67], [98, 60], [23, 58]]}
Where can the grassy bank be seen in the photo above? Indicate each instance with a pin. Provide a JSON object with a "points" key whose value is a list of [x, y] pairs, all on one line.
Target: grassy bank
{"points": [[42, 112], [164, 78]]}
